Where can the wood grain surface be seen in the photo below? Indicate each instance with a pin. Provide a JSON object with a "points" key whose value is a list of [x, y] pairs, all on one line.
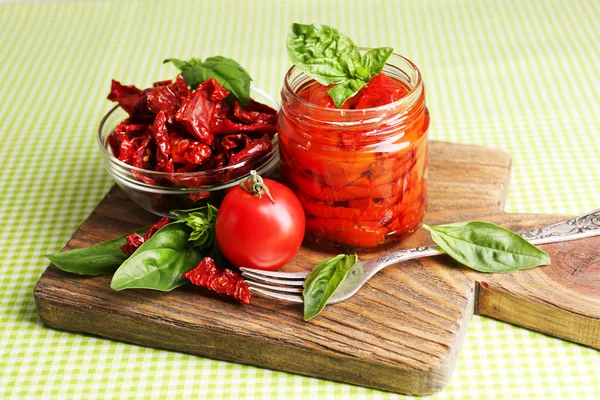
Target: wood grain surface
{"points": [[402, 332]]}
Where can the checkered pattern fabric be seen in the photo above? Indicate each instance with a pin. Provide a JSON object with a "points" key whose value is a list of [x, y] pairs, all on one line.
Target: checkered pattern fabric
{"points": [[522, 76]]}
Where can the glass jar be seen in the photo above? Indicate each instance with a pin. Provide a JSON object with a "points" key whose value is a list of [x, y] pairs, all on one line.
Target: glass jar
{"points": [[360, 174]]}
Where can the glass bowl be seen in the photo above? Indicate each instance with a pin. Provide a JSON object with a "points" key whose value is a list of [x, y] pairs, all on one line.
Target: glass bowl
{"points": [[197, 188]]}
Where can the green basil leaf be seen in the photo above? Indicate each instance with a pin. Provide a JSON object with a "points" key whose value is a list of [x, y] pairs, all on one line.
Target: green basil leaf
{"points": [[159, 263], [157, 269], [184, 65], [487, 247], [374, 60], [226, 71], [329, 57], [322, 52], [344, 90], [322, 282], [99, 259], [202, 220]]}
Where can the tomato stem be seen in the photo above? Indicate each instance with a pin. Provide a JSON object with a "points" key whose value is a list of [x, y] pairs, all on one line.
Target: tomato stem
{"points": [[255, 185]]}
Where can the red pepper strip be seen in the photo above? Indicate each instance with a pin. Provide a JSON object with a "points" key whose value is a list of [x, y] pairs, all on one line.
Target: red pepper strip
{"points": [[164, 162], [220, 280], [312, 188], [309, 185], [338, 181], [410, 218], [374, 174], [347, 167], [380, 91], [346, 232], [375, 203], [135, 240], [200, 111], [384, 165], [323, 210], [397, 175]]}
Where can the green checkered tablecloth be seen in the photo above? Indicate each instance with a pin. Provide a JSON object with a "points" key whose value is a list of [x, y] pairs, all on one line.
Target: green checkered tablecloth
{"points": [[522, 76]]}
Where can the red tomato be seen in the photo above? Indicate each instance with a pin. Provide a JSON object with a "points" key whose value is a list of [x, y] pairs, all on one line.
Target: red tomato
{"points": [[254, 232]]}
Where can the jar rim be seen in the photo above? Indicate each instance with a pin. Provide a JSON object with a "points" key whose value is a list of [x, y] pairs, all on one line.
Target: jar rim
{"points": [[362, 111]]}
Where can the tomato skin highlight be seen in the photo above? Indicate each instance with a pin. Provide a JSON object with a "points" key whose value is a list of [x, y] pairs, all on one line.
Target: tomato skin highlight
{"points": [[254, 232]]}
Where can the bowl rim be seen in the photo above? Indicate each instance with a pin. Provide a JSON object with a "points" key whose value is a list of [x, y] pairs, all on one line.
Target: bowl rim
{"points": [[260, 161]]}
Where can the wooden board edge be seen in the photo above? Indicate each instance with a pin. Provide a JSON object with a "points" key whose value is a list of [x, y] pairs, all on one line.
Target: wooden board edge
{"points": [[58, 313], [493, 301]]}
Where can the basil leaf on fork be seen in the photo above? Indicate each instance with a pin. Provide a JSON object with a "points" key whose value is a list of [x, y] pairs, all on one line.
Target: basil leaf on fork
{"points": [[322, 282], [487, 247]]}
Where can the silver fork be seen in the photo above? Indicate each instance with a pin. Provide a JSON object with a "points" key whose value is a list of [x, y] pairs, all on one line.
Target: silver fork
{"points": [[288, 285]]}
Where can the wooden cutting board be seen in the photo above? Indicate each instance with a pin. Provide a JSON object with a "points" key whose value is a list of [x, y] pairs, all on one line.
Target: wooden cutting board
{"points": [[402, 332]]}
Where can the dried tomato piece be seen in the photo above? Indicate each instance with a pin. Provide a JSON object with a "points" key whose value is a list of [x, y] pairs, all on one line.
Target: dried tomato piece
{"points": [[164, 162], [255, 148], [135, 240], [127, 127], [126, 95], [126, 148], [168, 96], [162, 83], [254, 112], [231, 142], [189, 152], [220, 280], [199, 111], [249, 121], [199, 196], [143, 152]]}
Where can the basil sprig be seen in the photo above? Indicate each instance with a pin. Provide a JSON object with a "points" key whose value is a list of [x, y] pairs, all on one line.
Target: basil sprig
{"points": [[323, 280], [487, 247], [330, 57], [229, 73], [172, 251], [159, 263]]}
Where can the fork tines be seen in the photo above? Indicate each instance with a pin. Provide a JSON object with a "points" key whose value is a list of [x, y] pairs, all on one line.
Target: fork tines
{"points": [[280, 285]]}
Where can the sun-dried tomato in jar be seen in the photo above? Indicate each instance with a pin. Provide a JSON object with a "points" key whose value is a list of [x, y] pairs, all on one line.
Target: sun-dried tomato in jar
{"points": [[359, 170]]}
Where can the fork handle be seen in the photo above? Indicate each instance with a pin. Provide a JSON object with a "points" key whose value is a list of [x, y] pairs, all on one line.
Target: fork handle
{"points": [[586, 225], [407, 254]]}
